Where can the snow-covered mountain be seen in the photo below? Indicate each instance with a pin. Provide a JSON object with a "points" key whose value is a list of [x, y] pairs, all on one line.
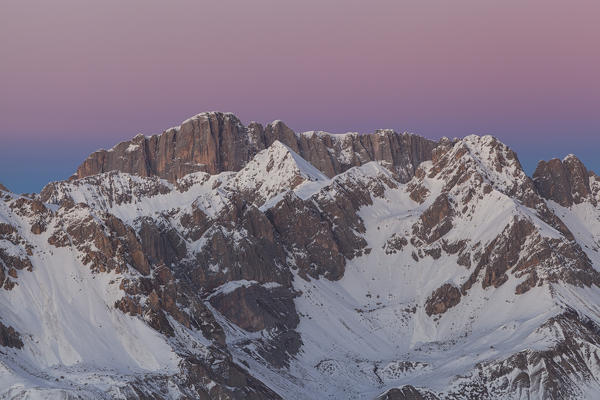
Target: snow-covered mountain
{"points": [[223, 261]]}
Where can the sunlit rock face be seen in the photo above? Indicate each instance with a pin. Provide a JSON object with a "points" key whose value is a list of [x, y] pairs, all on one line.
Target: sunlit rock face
{"points": [[214, 142]]}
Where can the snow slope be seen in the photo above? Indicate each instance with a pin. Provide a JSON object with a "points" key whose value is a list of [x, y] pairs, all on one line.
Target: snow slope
{"points": [[72, 333]]}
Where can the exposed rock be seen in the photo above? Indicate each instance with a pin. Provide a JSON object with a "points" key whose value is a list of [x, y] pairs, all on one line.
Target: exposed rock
{"points": [[240, 244], [335, 154], [504, 252], [567, 182], [434, 252], [160, 295], [395, 244], [464, 259], [37, 228], [11, 262], [417, 191], [527, 284], [196, 223], [436, 221], [309, 237], [320, 233], [521, 249], [35, 210], [106, 243], [454, 247], [223, 379], [15, 262], [160, 244], [209, 142], [443, 298], [9, 337], [256, 308], [215, 142]]}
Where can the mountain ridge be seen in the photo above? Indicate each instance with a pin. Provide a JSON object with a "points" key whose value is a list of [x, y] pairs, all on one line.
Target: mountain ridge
{"points": [[215, 142], [265, 277]]}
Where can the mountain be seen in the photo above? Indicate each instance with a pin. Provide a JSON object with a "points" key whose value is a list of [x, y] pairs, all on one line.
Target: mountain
{"points": [[223, 261], [215, 142]]}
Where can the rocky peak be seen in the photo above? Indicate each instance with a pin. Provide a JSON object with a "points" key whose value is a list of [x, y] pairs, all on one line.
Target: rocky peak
{"points": [[272, 171], [333, 154], [482, 164], [567, 182], [210, 142], [480, 161], [214, 142], [278, 130]]}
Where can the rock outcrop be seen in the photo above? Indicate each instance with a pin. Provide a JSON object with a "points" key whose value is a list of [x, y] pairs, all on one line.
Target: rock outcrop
{"points": [[9, 337], [215, 142], [567, 182], [333, 154], [442, 298], [209, 142]]}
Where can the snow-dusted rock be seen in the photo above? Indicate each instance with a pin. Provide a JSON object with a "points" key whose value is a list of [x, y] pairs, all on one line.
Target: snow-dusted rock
{"points": [[223, 261]]}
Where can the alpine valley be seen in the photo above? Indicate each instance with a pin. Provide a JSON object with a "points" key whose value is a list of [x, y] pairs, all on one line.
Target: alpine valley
{"points": [[223, 261]]}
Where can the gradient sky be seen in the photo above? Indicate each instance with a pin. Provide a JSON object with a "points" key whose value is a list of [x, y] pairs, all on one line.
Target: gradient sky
{"points": [[77, 75]]}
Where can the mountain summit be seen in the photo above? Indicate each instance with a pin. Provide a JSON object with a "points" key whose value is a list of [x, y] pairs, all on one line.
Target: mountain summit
{"points": [[223, 261], [215, 142]]}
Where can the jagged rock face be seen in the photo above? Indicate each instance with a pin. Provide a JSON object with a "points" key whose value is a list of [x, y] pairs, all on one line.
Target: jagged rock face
{"points": [[567, 182], [209, 142], [14, 255], [270, 307], [9, 337], [223, 261], [442, 299], [257, 307], [226, 254], [436, 221], [216, 142], [333, 154], [107, 244]]}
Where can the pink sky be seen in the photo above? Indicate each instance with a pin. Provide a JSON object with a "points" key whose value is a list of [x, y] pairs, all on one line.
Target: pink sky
{"points": [[98, 72]]}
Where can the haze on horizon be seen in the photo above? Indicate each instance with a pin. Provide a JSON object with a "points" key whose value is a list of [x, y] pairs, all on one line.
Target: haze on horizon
{"points": [[78, 76]]}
